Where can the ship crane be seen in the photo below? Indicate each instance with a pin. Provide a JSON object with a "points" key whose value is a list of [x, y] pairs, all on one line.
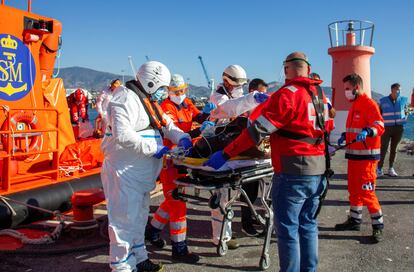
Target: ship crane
{"points": [[210, 81]]}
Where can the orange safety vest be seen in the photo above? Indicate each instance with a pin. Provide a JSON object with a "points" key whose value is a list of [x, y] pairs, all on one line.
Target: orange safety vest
{"points": [[364, 113]]}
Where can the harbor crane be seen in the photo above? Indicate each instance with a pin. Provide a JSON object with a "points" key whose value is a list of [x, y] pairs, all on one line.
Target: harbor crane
{"points": [[210, 81]]}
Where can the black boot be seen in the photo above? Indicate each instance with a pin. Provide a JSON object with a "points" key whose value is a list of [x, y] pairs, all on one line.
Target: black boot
{"points": [[249, 229], [152, 234], [377, 235], [148, 266], [181, 254], [349, 224]]}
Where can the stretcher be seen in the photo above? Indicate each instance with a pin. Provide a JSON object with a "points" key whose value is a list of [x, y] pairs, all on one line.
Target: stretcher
{"points": [[231, 176]]}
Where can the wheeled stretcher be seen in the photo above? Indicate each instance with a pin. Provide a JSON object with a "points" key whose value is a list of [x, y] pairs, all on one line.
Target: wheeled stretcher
{"points": [[231, 176]]}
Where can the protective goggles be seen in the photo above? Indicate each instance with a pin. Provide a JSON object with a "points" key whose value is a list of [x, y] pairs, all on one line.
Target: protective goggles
{"points": [[296, 59], [178, 90], [234, 81]]}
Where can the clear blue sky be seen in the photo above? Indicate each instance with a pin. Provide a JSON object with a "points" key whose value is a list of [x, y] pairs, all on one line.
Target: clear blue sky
{"points": [[255, 34]]}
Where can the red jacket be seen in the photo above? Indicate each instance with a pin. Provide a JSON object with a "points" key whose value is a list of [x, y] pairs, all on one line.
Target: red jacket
{"points": [[289, 109], [364, 113]]}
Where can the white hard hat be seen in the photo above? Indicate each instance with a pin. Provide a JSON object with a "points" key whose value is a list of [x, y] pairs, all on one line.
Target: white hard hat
{"points": [[153, 75], [235, 75], [177, 83]]}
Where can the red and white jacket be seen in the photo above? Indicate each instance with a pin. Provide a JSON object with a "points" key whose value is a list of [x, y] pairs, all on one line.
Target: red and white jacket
{"points": [[290, 109]]}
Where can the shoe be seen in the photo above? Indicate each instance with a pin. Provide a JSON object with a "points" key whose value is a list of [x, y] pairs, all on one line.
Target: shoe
{"points": [[377, 235], [148, 266], [154, 239], [250, 230], [349, 224], [233, 244], [187, 257], [379, 172], [392, 173]]}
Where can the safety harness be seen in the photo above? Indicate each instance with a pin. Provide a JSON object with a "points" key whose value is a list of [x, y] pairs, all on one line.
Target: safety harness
{"points": [[151, 107], [317, 101]]}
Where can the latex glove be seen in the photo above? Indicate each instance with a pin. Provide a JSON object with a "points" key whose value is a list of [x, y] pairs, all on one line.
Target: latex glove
{"points": [[207, 124], [161, 150], [216, 160], [260, 97], [362, 136], [209, 107], [185, 143], [341, 140]]}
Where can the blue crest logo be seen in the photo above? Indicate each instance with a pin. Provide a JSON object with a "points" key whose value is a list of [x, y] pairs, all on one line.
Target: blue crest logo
{"points": [[17, 68]]}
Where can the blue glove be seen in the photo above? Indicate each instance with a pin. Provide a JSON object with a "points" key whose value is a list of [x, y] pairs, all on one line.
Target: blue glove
{"points": [[341, 140], [362, 136], [207, 124], [260, 97], [209, 107], [185, 143], [216, 160], [161, 150]]}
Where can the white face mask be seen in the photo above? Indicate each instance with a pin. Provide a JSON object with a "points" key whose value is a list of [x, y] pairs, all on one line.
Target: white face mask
{"points": [[178, 99], [350, 95], [237, 92]]}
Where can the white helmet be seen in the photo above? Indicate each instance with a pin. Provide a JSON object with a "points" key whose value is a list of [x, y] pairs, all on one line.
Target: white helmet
{"points": [[177, 83], [235, 75], [153, 75]]}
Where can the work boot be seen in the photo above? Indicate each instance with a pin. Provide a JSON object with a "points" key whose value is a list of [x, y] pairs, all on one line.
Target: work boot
{"points": [[377, 235], [233, 244], [148, 266], [392, 173], [181, 254], [152, 234], [379, 172], [349, 224], [250, 230]]}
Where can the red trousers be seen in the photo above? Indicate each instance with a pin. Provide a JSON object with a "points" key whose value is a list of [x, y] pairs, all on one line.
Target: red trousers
{"points": [[170, 209], [361, 184]]}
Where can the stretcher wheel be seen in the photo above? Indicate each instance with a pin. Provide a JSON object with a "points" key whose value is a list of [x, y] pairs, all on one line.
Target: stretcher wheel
{"points": [[214, 202], [222, 249], [264, 262]]}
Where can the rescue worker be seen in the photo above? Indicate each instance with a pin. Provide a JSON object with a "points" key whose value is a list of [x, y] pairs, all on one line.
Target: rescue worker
{"points": [[230, 103], [393, 110], [133, 160], [183, 113], [102, 103], [251, 188], [78, 105], [365, 125], [289, 116]]}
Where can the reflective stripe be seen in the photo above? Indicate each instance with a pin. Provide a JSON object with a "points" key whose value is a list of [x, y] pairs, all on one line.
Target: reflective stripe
{"points": [[266, 124], [357, 208], [178, 225], [377, 218], [162, 213], [388, 114], [178, 237], [157, 224], [374, 132], [356, 212], [160, 219], [379, 123], [291, 88], [354, 130], [364, 151]]}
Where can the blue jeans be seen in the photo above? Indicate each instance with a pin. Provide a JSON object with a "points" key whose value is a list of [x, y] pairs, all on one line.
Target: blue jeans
{"points": [[295, 201]]}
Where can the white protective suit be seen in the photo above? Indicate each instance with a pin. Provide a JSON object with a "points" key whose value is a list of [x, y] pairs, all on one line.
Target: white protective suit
{"points": [[102, 102], [227, 107], [128, 175]]}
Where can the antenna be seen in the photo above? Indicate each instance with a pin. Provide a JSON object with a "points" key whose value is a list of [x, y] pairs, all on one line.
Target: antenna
{"points": [[131, 63]]}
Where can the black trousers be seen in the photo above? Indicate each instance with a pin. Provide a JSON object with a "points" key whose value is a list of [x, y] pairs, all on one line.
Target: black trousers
{"points": [[252, 190]]}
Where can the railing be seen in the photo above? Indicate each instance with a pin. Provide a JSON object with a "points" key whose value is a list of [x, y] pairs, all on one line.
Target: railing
{"points": [[351, 33], [6, 178], [29, 5]]}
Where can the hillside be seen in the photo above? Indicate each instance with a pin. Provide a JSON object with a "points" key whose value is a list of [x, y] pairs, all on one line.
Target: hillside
{"points": [[80, 77]]}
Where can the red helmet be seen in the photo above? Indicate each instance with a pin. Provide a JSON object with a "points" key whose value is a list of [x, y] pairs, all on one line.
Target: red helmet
{"points": [[79, 95]]}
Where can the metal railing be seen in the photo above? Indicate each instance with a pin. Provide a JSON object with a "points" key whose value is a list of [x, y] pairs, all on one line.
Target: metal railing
{"points": [[351, 32], [8, 136]]}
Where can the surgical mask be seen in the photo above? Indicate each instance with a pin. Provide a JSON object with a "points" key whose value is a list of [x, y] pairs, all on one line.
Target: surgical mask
{"points": [[350, 95], [237, 92], [177, 99], [158, 95]]}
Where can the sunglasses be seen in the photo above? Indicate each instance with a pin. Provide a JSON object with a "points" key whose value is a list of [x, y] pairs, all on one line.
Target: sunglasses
{"points": [[296, 59]]}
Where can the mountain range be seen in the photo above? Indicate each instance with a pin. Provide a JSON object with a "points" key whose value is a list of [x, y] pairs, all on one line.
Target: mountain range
{"points": [[94, 81]]}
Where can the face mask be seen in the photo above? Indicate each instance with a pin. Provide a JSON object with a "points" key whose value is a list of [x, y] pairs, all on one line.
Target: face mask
{"points": [[237, 92], [158, 95], [350, 95], [178, 99]]}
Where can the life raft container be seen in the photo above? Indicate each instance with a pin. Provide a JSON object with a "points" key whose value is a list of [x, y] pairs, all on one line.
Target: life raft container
{"points": [[33, 140]]}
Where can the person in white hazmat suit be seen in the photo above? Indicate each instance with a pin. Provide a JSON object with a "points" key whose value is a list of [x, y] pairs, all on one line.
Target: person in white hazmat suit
{"points": [[231, 102], [133, 149], [102, 101]]}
